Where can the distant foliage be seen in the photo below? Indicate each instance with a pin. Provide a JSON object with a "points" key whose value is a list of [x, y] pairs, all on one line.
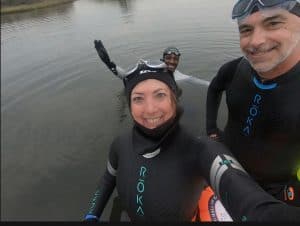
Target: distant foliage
{"points": [[19, 2]]}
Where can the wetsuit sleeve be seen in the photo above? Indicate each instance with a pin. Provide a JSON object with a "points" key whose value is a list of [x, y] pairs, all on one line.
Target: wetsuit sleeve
{"points": [[120, 72], [214, 94], [242, 197], [104, 189], [104, 56], [245, 200]]}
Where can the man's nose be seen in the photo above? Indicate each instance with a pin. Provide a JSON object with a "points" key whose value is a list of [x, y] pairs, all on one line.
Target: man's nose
{"points": [[258, 37], [172, 60]]}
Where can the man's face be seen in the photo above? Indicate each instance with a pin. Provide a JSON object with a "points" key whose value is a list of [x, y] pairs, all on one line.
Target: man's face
{"points": [[270, 40], [171, 61]]}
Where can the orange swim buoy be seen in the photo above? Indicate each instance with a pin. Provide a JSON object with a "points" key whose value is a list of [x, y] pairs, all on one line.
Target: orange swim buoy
{"points": [[210, 207]]}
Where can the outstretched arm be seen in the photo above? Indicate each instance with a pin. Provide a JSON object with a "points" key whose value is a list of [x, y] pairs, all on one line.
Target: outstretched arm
{"points": [[242, 197], [103, 54]]}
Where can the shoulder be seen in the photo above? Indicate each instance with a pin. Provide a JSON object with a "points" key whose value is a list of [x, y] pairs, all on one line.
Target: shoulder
{"points": [[230, 66], [204, 141], [198, 141], [225, 74], [207, 145], [179, 76], [121, 139], [208, 150]]}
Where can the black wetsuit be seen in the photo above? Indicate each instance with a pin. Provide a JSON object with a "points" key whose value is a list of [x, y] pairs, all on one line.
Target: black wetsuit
{"points": [[165, 187], [160, 180], [263, 125]]}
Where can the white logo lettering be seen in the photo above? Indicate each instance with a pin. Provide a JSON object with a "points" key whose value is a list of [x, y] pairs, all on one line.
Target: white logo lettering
{"points": [[145, 71]]}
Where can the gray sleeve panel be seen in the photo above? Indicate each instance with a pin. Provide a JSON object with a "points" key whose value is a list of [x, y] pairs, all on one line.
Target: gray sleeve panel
{"points": [[121, 72], [234, 163], [218, 177], [219, 166], [214, 171], [111, 170]]}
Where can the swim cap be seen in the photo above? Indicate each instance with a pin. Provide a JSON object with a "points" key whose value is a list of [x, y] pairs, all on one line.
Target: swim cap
{"points": [[171, 50], [296, 9], [243, 8], [143, 71]]}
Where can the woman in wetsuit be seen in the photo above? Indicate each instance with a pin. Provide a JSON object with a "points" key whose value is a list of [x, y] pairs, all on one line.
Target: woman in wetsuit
{"points": [[158, 168]]}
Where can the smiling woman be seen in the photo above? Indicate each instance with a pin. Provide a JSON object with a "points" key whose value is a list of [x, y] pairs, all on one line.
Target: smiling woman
{"points": [[154, 106], [13, 6]]}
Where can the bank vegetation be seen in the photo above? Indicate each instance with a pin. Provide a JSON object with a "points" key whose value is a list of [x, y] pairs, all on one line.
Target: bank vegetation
{"points": [[13, 6]]}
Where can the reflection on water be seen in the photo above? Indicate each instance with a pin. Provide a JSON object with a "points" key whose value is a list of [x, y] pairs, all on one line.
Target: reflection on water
{"points": [[58, 10], [126, 5], [126, 8], [61, 106]]}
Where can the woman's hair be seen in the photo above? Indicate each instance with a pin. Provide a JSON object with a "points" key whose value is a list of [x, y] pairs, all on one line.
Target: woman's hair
{"points": [[174, 101]]}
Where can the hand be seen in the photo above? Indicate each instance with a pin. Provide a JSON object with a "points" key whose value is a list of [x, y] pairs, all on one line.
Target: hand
{"points": [[214, 136], [102, 53], [91, 218]]}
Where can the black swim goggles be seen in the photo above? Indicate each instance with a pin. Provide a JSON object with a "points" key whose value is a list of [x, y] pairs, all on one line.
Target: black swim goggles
{"points": [[171, 50], [149, 70], [145, 66], [244, 7]]}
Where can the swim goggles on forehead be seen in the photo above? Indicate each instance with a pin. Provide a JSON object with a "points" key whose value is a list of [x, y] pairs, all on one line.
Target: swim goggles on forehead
{"points": [[244, 7], [171, 50], [146, 66]]}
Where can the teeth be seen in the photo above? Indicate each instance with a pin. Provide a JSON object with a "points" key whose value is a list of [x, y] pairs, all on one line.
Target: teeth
{"points": [[153, 121], [260, 51]]}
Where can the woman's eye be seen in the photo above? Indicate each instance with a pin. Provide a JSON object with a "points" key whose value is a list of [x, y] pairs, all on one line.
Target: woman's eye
{"points": [[161, 95], [137, 99]]}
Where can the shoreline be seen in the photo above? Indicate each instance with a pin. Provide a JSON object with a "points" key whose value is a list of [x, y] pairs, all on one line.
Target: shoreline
{"points": [[33, 6]]}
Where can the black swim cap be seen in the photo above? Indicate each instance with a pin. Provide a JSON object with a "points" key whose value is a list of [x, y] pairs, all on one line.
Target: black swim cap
{"points": [[296, 9], [143, 71], [243, 8]]}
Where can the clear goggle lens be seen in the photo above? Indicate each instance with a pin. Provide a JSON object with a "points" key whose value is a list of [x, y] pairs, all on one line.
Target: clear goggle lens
{"points": [[175, 52], [146, 64]]}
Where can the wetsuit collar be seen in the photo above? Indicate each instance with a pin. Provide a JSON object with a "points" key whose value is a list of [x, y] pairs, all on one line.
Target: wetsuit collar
{"points": [[147, 141], [272, 83]]}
